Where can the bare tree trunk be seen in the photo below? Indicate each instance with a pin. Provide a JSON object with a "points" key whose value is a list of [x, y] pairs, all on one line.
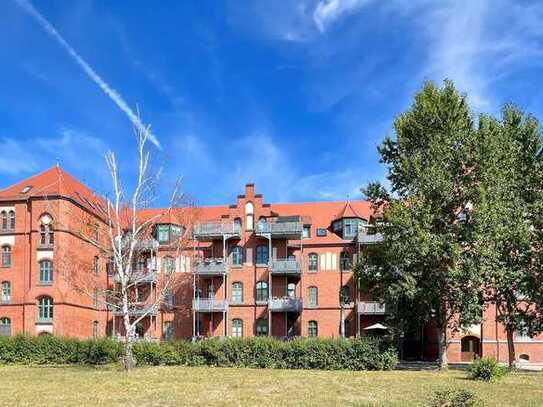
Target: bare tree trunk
{"points": [[443, 359], [129, 362], [511, 349]]}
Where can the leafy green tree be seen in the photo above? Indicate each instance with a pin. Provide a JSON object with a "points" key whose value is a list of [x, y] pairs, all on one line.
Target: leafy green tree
{"points": [[509, 189], [423, 268]]}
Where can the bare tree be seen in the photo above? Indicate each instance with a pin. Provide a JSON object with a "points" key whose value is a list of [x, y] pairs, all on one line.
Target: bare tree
{"points": [[123, 232]]}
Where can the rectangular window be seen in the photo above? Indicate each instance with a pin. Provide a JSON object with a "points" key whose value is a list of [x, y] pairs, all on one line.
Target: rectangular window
{"points": [[96, 266], [163, 233], [46, 272], [306, 233], [168, 330], [312, 297], [237, 328], [237, 293], [321, 232], [95, 298], [168, 298]]}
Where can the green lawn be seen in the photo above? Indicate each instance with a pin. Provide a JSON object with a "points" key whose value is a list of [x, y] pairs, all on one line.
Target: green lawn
{"points": [[160, 386]]}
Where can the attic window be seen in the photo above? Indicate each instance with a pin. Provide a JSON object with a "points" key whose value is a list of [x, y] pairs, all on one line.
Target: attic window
{"points": [[26, 189], [321, 232]]}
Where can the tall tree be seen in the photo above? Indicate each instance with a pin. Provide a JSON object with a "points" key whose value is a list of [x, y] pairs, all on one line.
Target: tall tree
{"points": [[423, 266], [509, 188]]}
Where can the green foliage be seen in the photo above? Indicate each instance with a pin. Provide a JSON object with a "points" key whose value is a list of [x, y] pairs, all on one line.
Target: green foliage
{"points": [[486, 369], [327, 354], [455, 398]]}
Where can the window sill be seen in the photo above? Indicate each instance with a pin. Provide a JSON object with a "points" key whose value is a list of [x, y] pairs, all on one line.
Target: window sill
{"points": [[236, 303], [5, 267], [44, 322], [7, 231], [45, 247], [5, 303], [45, 284], [262, 265], [261, 302]]}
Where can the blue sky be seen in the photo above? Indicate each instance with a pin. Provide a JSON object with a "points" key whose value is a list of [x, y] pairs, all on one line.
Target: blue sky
{"points": [[292, 95]]}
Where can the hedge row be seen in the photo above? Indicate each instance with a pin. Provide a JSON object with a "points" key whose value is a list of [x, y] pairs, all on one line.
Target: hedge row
{"points": [[329, 354]]}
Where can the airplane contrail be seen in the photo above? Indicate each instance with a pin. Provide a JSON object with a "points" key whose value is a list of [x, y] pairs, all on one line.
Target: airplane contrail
{"points": [[112, 93]]}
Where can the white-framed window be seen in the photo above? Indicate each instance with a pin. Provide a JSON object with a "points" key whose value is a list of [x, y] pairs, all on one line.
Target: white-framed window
{"points": [[169, 265], [6, 292], [237, 256], [6, 256], [345, 295], [344, 261], [306, 232], [46, 272], [291, 290], [5, 326], [312, 296], [249, 216], [237, 328], [168, 330], [237, 292], [312, 329], [45, 309], [168, 298], [523, 333], [261, 291], [261, 327], [262, 254], [237, 225], [12, 220], [95, 327], [313, 262], [4, 221]]}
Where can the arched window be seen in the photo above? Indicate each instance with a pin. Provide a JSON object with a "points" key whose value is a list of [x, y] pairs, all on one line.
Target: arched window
{"points": [[237, 293], [12, 220], [249, 216], [344, 261], [6, 256], [6, 292], [237, 225], [262, 255], [169, 265], [46, 272], [312, 329], [4, 221], [47, 236], [313, 263], [96, 265], [5, 326], [237, 256], [345, 295], [45, 309], [312, 296], [291, 290], [95, 326], [261, 327], [237, 328], [168, 330], [261, 291], [198, 293], [261, 223]]}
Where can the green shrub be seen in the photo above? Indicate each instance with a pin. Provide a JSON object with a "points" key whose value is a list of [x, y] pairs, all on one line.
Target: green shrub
{"points": [[326, 354], [455, 398], [486, 369]]}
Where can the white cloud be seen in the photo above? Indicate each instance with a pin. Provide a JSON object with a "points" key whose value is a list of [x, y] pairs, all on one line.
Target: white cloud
{"points": [[329, 11], [16, 158]]}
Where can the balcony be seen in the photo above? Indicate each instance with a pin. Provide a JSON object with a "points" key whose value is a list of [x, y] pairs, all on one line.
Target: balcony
{"points": [[371, 308], [137, 310], [285, 229], [209, 305], [139, 277], [285, 267], [146, 244], [215, 230], [211, 267], [366, 239], [286, 304]]}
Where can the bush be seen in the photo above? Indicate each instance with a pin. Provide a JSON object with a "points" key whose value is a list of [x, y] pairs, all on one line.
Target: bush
{"points": [[326, 354], [455, 398], [486, 369]]}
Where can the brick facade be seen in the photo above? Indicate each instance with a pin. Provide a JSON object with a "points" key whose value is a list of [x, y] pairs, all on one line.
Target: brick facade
{"points": [[252, 268]]}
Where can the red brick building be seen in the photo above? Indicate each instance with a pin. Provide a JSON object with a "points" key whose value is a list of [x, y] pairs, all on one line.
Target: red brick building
{"points": [[253, 268]]}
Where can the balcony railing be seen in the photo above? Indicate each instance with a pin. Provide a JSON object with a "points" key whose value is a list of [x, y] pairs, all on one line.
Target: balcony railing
{"points": [[287, 229], [285, 266], [209, 305], [215, 230], [371, 308], [146, 244], [138, 309], [287, 304], [139, 277], [364, 238], [211, 267]]}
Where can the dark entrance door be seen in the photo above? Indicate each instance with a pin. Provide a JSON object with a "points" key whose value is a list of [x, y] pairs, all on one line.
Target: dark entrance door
{"points": [[469, 348]]}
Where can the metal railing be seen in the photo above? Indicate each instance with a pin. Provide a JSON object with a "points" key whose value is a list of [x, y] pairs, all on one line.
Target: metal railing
{"points": [[147, 244], [286, 304], [138, 310], [371, 308], [285, 266], [216, 229], [280, 228], [139, 277], [209, 305], [211, 267], [364, 238]]}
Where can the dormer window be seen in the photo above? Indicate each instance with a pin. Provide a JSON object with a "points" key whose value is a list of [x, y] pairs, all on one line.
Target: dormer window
{"points": [[166, 233], [306, 232], [26, 189]]}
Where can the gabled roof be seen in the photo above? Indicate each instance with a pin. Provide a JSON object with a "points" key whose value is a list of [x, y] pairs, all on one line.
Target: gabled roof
{"points": [[348, 212], [54, 182]]}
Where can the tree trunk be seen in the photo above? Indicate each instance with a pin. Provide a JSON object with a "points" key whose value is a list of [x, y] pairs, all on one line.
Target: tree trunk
{"points": [[511, 349], [443, 359], [129, 362]]}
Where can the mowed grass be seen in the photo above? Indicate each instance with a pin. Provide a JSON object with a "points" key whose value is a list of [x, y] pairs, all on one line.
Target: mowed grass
{"points": [[174, 386]]}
